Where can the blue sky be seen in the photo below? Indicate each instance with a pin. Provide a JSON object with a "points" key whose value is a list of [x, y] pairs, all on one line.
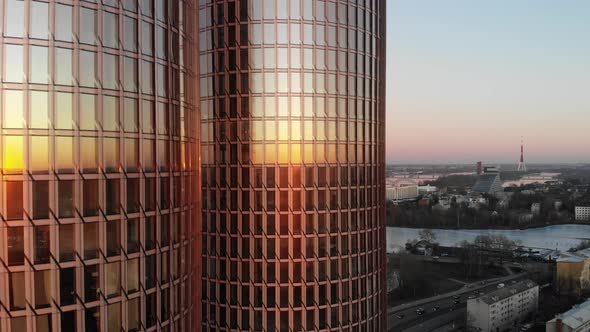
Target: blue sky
{"points": [[467, 78]]}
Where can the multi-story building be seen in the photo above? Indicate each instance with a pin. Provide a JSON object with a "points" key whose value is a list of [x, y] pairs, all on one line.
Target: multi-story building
{"points": [[576, 319], [536, 209], [98, 155], [293, 165], [582, 213], [503, 308], [572, 272], [488, 183], [398, 193]]}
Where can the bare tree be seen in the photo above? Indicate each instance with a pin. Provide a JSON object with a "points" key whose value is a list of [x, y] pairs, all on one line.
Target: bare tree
{"points": [[427, 235]]}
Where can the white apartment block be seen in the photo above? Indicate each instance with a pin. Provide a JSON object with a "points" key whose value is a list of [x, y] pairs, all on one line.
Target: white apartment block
{"points": [[575, 320], [401, 192], [503, 308], [582, 213]]}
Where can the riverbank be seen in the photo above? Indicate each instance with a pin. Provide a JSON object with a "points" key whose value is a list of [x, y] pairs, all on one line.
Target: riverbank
{"points": [[524, 227], [560, 237]]}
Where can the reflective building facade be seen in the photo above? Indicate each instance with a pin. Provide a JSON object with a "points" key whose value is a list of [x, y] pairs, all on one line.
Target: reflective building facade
{"points": [[99, 170], [292, 131]]}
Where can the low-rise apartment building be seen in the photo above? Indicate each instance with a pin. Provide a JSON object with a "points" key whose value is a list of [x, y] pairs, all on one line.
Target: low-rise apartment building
{"points": [[503, 308], [582, 213]]}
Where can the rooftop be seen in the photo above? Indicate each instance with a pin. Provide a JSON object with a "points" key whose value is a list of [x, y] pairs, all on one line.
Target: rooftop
{"points": [[576, 316], [574, 257], [507, 291]]}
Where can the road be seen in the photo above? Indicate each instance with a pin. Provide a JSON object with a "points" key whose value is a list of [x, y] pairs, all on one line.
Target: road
{"points": [[442, 309]]}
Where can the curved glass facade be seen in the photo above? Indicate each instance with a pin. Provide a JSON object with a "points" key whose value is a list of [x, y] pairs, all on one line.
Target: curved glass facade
{"points": [[98, 154], [292, 106]]}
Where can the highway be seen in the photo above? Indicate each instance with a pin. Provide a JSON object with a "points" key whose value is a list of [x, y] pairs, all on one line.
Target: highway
{"points": [[442, 309]]}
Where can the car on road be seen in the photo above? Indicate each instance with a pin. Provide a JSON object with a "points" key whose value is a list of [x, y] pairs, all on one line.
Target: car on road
{"points": [[400, 316], [436, 308], [456, 302], [471, 297], [526, 327], [420, 311], [444, 254], [457, 297]]}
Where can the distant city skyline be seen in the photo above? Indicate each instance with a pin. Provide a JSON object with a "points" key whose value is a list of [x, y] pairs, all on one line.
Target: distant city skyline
{"points": [[467, 80]]}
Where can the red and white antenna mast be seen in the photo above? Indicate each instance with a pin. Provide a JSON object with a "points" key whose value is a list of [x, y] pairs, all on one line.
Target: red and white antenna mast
{"points": [[521, 164]]}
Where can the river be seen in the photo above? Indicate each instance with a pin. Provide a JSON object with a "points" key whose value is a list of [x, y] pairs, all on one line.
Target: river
{"points": [[561, 237]]}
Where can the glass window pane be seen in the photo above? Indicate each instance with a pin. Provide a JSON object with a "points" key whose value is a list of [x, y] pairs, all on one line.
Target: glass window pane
{"points": [[147, 117], [161, 43], [147, 77], [38, 72], [88, 154], [161, 11], [16, 246], [87, 26], [147, 35], [42, 289], [162, 80], [13, 154], [90, 197], [41, 201], [110, 70], [63, 66], [149, 159], [110, 113], [130, 82], [14, 68], [65, 198], [88, 117], [63, 110], [91, 240], [110, 36], [63, 22], [130, 25], [14, 205], [67, 242], [130, 5], [91, 288], [130, 115], [131, 155], [64, 154], [67, 286], [113, 196], [113, 273], [113, 238], [15, 18], [111, 154], [42, 238], [113, 315], [17, 292], [87, 68], [39, 20], [13, 110], [39, 151], [38, 111]]}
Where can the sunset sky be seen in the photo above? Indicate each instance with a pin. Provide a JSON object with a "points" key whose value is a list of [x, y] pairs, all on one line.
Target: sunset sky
{"points": [[466, 79]]}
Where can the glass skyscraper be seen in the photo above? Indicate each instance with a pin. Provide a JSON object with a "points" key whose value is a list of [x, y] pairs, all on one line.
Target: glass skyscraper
{"points": [[292, 130], [99, 172]]}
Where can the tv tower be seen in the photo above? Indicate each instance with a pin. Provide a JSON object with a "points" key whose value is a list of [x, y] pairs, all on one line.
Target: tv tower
{"points": [[521, 164]]}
